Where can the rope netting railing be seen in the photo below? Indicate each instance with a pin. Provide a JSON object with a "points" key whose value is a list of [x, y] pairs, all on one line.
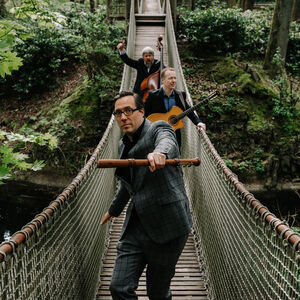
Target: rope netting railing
{"points": [[58, 254], [245, 251]]}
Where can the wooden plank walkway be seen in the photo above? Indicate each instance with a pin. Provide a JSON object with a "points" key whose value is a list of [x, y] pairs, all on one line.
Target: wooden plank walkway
{"points": [[188, 280]]}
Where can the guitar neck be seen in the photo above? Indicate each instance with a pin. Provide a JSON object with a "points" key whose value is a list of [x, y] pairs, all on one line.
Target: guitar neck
{"points": [[189, 110]]}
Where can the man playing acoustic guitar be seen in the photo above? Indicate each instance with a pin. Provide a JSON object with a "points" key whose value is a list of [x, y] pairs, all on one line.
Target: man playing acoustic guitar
{"points": [[163, 99]]}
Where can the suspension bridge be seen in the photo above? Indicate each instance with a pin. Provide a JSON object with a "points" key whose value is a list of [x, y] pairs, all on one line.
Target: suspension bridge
{"points": [[237, 250]]}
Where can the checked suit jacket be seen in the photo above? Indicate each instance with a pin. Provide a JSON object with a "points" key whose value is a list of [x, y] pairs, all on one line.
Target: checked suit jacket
{"points": [[142, 71], [159, 197]]}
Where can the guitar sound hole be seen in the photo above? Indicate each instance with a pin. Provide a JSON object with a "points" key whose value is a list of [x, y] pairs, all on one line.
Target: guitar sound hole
{"points": [[173, 120]]}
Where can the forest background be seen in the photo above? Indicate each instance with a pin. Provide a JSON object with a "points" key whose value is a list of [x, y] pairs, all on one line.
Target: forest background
{"points": [[59, 71]]}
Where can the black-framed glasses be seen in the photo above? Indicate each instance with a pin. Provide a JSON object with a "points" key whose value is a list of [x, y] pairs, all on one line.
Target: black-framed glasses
{"points": [[127, 112]]}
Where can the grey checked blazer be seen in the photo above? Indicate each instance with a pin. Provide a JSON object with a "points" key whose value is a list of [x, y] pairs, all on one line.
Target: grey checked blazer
{"points": [[159, 198]]}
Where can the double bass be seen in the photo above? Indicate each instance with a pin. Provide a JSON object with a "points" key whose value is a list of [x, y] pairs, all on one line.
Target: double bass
{"points": [[153, 81]]}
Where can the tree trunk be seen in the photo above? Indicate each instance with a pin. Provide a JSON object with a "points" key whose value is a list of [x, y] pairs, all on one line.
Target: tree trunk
{"points": [[296, 11], [136, 6], [127, 10], [246, 4], [2, 8], [192, 4], [231, 3], [173, 4], [107, 10], [279, 36], [92, 6]]}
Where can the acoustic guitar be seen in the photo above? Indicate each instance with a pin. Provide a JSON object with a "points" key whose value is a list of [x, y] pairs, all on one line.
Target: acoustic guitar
{"points": [[176, 114]]}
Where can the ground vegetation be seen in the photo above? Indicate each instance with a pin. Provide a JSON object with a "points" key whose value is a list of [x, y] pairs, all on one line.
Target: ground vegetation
{"points": [[254, 125], [59, 73]]}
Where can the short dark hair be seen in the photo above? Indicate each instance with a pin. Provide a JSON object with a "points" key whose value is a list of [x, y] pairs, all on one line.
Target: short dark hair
{"points": [[138, 100]]}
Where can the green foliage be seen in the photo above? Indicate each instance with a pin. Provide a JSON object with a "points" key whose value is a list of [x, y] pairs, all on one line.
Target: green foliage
{"points": [[12, 151], [214, 30], [296, 229], [204, 4], [231, 31], [43, 55], [228, 162], [293, 50], [96, 39], [256, 29], [61, 35], [284, 106], [38, 11], [9, 60]]}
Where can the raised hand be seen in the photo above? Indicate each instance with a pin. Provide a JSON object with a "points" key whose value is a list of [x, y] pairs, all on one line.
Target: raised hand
{"points": [[121, 46]]}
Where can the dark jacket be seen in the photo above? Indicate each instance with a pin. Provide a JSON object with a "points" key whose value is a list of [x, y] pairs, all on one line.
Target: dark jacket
{"points": [[155, 104], [159, 198], [142, 71]]}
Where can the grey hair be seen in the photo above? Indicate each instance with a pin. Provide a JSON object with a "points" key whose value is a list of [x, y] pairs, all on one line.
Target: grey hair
{"points": [[148, 50]]}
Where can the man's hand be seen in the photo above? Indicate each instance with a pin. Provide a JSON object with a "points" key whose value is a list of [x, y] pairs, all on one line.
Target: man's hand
{"points": [[106, 218], [121, 46], [157, 161], [201, 125]]}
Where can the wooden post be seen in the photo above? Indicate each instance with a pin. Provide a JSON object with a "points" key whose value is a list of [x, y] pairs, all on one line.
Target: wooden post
{"points": [[127, 10], [92, 6], [3, 11], [192, 4], [231, 3], [173, 4], [107, 10], [296, 11], [246, 4]]}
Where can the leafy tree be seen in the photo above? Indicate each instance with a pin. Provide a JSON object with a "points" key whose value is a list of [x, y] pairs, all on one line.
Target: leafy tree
{"points": [[12, 152], [9, 60]]}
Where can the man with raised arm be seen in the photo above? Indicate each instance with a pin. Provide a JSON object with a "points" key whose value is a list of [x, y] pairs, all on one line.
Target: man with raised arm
{"points": [[163, 99], [145, 66], [158, 218]]}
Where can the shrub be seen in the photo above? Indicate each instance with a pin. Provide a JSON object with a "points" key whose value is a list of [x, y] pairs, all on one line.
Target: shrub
{"points": [[293, 50], [96, 39], [230, 31], [43, 55], [203, 4], [53, 46], [256, 31], [214, 30]]}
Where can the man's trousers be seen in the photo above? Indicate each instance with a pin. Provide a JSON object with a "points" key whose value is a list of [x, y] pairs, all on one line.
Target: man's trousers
{"points": [[135, 251]]}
